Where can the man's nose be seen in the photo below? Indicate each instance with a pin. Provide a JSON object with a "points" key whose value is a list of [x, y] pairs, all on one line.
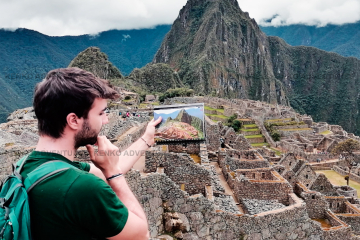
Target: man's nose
{"points": [[106, 119]]}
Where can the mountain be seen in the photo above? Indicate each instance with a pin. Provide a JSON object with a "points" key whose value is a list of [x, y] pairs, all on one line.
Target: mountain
{"points": [[96, 62], [218, 49], [184, 116], [342, 39], [26, 56]]}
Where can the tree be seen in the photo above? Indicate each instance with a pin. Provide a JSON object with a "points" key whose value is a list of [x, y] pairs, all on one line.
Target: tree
{"points": [[275, 136], [347, 149]]}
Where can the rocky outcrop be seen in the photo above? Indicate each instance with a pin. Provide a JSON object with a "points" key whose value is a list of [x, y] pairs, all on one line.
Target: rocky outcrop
{"points": [[96, 62], [155, 78]]}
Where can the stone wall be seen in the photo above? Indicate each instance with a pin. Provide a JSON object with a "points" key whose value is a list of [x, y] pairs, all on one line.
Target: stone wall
{"points": [[159, 194], [8, 156], [212, 135], [262, 189], [351, 219], [181, 169], [235, 164], [316, 204], [353, 176], [190, 148], [323, 186], [346, 191]]}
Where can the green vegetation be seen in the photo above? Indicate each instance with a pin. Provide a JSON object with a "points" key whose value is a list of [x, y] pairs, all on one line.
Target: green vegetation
{"points": [[275, 136], [177, 92], [337, 179], [214, 115], [260, 144], [296, 129], [27, 55], [234, 123], [254, 136], [249, 130], [214, 109], [326, 132], [250, 126], [347, 149], [333, 38], [277, 152]]}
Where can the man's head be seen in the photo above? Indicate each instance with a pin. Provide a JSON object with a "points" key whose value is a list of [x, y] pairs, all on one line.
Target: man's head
{"points": [[67, 91]]}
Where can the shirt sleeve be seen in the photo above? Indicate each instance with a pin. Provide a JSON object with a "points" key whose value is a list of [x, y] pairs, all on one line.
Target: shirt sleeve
{"points": [[84, 166], [93, 205]]}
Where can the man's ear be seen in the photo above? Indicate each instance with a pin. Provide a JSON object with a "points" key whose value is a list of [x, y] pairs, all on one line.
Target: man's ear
{"points": [[73, 121]]}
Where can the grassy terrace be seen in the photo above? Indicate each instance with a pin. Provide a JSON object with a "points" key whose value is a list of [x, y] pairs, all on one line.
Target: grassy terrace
{"points": [[296, 129], [218, 110], [250, 126], [326, 132], [249, 130], [277, 152], [339, 180], [279, 120], [214, 115], [254, 136], [260, 144]]}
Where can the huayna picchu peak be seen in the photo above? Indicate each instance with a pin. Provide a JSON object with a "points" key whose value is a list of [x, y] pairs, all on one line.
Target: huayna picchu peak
{"points": [[218, 50]]}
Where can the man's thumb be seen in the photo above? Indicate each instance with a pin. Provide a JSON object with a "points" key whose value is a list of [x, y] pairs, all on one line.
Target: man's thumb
{"points": [[91, 151]]}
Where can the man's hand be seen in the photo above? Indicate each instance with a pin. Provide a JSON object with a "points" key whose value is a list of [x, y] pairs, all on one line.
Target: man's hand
{"points": [[149, 134], [106, 159]]}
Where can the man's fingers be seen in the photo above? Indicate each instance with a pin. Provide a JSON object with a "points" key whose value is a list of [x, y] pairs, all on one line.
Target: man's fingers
{"points": [[157, 121], [91, 151]]}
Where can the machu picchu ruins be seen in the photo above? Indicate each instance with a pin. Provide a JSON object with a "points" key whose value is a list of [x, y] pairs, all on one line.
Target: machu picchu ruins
{"points": [[239, 189]]}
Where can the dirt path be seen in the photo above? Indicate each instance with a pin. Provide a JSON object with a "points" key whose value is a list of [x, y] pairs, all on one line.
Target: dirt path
{"points": [[131, 130], [322, 162], [226, 186]]}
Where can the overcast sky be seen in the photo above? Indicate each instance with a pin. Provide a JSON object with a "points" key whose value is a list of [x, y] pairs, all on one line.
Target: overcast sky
{"points": [[76, 17]]}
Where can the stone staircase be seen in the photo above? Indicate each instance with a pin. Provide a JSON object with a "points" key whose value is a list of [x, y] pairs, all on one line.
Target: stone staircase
{"points": [[252, 133]]}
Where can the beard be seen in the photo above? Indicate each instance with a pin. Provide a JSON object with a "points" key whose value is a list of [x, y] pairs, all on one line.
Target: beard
{"points": [[85, 136]]}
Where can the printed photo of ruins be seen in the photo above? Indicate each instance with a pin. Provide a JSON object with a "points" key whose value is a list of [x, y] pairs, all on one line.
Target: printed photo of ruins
{"points": [[180, 123]]}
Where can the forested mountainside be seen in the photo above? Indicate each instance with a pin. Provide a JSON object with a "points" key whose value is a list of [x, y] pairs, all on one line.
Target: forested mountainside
{"points": [[342, 39], [26, 56]]}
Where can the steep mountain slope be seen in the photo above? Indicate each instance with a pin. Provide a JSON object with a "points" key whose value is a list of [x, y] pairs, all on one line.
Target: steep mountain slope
{"points": [[322, 84], [342, 39], [216, 48]]}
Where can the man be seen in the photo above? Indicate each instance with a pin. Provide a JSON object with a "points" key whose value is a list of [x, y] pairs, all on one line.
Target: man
{"points": [[91, 201]]}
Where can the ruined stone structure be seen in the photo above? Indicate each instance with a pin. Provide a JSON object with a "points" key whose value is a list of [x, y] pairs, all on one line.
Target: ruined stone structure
{"points": [[206, 191]]}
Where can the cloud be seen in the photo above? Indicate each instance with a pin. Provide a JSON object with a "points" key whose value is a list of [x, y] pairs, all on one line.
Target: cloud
{"points": [[308, 12], [69, 17]]}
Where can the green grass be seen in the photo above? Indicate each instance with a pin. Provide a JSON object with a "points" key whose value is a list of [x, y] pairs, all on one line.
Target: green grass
{"points": [[214, 115], [278, 120], [326, 132], [249, 130], [260, 144], [295, 129], [212, 109], [337, 179], [277, 152], [250, 126], [254, 136]]}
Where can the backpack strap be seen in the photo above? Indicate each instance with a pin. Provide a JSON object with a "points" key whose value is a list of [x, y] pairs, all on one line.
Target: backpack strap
{"points": [[44, 171]]}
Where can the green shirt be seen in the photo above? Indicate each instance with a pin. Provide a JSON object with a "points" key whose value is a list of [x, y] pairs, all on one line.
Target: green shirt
{"points": [[73, 204]]}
